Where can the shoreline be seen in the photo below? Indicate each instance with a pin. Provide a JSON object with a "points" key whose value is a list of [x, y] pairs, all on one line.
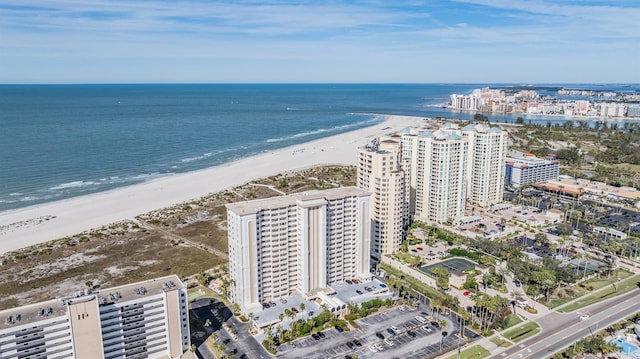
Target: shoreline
{"points": [[24, 227], [565, 117]]}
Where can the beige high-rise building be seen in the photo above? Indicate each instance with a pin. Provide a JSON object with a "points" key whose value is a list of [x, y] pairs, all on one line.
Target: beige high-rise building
{"points": [[486, 164], [298, 243], [379, 172], [142, 320]]}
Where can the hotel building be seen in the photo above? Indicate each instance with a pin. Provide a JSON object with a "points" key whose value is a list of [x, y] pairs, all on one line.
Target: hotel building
{"points": [[143, 320], [379, 172], [300, 243], [523, 169]]}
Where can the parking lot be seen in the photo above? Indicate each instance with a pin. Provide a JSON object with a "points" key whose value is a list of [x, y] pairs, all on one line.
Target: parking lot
{"points": [[412, 340], [238, 342]]}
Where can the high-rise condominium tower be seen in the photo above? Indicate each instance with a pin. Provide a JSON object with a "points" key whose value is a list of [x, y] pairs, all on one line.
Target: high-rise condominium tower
{"points": [[297, 243], [379, 172]]}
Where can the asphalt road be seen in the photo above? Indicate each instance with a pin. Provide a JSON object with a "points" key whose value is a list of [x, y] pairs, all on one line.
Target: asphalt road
{"points": [[561, 330]]}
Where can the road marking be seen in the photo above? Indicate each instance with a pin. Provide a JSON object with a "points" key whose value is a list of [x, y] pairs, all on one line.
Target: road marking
{"points": [[576, 324]]}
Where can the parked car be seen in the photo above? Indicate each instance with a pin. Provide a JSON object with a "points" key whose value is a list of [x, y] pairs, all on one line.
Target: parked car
{"points": [[351, 345], [411, 333], [357, 342], [294, 309], [466, 293], [358, 291], [421, 319], [379, 335], [339, 329], [426, 328]]}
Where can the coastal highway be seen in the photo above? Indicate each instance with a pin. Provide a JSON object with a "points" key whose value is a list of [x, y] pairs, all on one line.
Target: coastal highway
{"points": [[560, 330]]}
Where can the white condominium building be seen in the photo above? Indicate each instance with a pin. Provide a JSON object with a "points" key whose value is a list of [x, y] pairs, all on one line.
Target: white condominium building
{"points": [[297, 243], [379, 173], [142, 320], [485, 169], [452, 165], [440, 173]]}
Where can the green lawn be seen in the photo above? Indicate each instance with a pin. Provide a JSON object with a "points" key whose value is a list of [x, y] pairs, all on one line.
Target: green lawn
{"points": [[624, 287], [598, 283], [474, 352], [522, 332], [513, 320], [501, 342]]}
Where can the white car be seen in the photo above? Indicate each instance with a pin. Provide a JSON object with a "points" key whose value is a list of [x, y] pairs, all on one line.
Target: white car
{"points": [[421, 319], [402, 308], [395, 329], [584, 316], [426, 329], [373, 348]]}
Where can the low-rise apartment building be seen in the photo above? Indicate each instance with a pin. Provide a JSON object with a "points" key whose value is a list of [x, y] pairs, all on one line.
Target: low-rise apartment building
{"points": [[524, 169]]}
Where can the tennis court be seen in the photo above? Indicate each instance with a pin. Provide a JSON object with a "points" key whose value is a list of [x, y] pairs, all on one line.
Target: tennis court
{"points": [[451, 264]]}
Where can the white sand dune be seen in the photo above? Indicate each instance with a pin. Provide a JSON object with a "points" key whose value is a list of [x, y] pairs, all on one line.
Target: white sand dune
{"points": [[41, 223]]}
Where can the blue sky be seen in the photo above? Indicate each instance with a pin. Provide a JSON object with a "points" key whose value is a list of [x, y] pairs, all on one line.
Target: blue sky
{"points": [[486, 41]]}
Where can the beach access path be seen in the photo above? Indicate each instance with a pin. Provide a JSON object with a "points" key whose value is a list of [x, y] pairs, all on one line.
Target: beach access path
{"points": [[42, 223]]}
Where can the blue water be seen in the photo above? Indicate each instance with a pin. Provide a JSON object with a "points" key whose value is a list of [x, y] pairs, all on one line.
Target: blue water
{"points": [[626, 347], [61, 141]]}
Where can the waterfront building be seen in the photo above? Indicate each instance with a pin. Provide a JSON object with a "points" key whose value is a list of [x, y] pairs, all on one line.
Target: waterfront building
{"points": [[633, 111], [524, 169], [613, 109], [147, 319], [468, 102], [299, 243], [379, 172]]}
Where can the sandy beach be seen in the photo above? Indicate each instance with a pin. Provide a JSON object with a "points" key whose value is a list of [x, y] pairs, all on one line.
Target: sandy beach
{"points": [[41, 223]]}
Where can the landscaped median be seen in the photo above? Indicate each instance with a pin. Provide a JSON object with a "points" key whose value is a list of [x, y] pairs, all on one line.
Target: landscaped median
{"points": [[522, 332], [607, 293]]}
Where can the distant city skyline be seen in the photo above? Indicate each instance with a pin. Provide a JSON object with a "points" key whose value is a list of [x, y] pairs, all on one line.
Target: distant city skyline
{"points": [[368, 41]]}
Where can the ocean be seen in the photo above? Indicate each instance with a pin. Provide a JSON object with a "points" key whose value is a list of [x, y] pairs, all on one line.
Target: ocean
{"points": [[62, 141]]}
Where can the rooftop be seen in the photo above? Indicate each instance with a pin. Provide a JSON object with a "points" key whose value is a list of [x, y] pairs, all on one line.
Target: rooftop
{"points": [[255, 206], [57, 307]]}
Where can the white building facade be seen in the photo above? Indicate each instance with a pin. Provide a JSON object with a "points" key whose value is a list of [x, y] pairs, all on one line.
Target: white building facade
{"points": [[452, 165], [528, 169], [142, 320], [485, 164], [302, 243]]}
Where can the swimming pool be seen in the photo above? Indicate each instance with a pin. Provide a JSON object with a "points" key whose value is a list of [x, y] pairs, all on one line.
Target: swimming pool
{"points": [[627, 348]]}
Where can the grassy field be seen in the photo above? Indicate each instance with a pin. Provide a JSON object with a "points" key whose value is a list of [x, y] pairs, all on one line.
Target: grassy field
{"points": [[513, 320], [609, 292], [591, 285], [597, 283], [476, 351], [522, 332]]}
